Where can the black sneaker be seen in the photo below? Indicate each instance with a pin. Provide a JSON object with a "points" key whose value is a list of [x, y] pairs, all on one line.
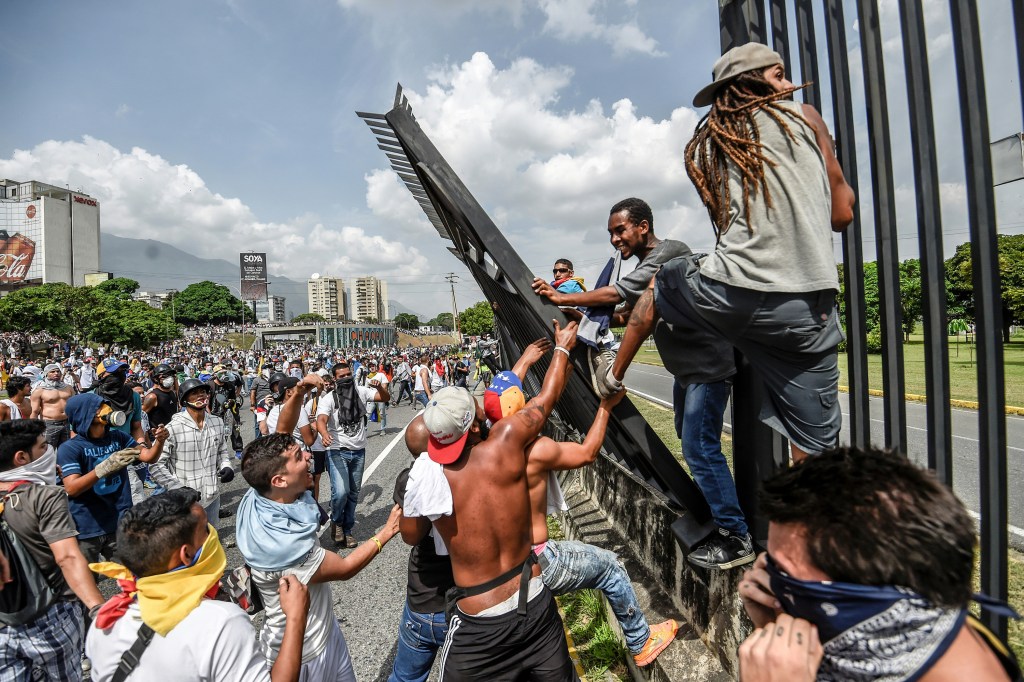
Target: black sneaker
{"points": [[723, 550]]}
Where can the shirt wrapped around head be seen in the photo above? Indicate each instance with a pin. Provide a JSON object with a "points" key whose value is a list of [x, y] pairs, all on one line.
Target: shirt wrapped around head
{"points": [[504, 397]]}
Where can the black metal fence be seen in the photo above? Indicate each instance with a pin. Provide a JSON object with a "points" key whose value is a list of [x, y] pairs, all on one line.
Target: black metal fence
{"points": [[743, 21]]}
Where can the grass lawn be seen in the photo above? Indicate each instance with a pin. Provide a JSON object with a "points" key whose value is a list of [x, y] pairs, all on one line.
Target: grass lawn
{"points": [[962, 368], [599, 649], [660, 419]]}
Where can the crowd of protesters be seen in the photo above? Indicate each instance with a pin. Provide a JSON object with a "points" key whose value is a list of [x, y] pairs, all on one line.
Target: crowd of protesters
{"points": [[867, 573]]}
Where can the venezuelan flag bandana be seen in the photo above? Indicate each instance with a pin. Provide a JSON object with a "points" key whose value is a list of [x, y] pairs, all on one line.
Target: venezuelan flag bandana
{"points": [[164, 599]]}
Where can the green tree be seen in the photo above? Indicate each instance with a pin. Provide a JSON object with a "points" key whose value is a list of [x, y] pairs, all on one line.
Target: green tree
{"points": [[120, 288], [478, 319], [910, 295], [305, 318], [960, 284], [443, 320], [36, 309], [407, 321], [209, 303]]}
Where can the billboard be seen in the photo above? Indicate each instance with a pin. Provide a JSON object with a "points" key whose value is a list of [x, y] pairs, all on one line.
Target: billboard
{"points": [[253, 276], [20, 238]]}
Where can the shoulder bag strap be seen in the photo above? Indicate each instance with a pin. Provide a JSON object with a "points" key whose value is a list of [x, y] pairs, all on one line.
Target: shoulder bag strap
{"points": [[130, 659]]}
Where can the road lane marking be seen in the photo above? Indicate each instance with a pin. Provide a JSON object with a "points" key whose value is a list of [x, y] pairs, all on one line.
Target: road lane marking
{"points": [[653, 399], [1016, 530], [380, 458]]}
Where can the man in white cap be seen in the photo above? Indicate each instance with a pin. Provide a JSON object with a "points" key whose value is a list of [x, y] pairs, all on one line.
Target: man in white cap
{"points": [[505, 624], [48, 400]]}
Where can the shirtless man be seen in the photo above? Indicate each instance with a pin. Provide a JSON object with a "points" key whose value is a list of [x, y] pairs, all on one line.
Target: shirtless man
{"points": [[506, 625], [48, 401], [567, 566], [16, 405]]}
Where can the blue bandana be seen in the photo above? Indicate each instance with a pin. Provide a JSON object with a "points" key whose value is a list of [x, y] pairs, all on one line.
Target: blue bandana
{"points": [[273, 536]]}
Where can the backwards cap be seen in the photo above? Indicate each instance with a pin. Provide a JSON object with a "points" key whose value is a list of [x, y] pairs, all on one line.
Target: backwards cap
{"points": [[504, 397], [448, 416]]}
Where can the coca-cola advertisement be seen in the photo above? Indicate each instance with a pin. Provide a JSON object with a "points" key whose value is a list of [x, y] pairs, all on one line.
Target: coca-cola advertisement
{"points": [[16, 254]]}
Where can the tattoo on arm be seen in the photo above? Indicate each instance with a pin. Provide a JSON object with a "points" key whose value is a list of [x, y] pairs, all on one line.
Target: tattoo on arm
{"points": [[643, 310]]}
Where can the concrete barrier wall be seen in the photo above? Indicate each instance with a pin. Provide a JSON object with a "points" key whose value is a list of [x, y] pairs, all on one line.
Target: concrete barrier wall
{"points": [[707, 600]]}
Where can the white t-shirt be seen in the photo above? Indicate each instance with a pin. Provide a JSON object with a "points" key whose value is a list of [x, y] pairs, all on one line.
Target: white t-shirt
{"points": [[275, 414], [419, 379], [321, 608], [214, 642], [346, 436]]}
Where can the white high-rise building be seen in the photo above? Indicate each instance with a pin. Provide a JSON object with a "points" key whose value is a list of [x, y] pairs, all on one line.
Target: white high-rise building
{"points": [[327, 297], [270, 310], [369, 297], [47, 234]]}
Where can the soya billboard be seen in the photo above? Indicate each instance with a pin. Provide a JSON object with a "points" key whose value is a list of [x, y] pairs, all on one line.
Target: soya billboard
{"points": [[253, 278]]}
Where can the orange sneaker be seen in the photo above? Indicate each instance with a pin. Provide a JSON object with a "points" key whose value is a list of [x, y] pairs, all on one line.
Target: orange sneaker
{"points": [[662, 635]]}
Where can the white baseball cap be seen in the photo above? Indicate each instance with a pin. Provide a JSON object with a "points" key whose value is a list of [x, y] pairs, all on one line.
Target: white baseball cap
{"points": [[449, 416]]}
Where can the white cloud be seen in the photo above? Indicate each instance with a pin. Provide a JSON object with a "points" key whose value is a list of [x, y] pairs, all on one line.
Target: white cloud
{"points": [[574, 20], [547, 175], [144, 196]]}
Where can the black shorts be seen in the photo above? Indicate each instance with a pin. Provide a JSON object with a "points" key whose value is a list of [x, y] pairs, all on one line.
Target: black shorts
{"points": [[509, 646], [319, 461]]}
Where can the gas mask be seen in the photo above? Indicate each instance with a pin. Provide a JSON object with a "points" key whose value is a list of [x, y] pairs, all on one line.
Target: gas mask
{"points": [[111, 417]]}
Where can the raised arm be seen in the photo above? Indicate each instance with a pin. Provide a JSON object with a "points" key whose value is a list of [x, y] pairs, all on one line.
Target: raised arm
{"points": [[525, 425], [842, 194], [531, 354], [337, 567], [552, 455]]}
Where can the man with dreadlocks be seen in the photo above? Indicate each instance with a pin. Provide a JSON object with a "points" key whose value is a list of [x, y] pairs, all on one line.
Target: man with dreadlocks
{"points": [[765, 169]]}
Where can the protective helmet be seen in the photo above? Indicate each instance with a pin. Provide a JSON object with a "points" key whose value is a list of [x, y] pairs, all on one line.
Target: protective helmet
{"points": [[275, 378], [190, 385], [162, 370]]}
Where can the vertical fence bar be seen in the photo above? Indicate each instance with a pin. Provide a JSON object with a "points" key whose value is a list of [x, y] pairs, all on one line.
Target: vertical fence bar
{"points": [[808, 52], [1018, 25], [853, 249], [780, 30], [741, 22], [987, 302], [895, 426], [929, 225]]}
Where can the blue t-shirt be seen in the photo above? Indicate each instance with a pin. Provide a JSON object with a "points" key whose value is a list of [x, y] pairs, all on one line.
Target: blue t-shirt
{"points": [[96, 511]]}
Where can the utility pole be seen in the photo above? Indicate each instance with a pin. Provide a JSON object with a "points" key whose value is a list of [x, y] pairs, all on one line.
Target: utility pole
{"points": [[451, 277]]}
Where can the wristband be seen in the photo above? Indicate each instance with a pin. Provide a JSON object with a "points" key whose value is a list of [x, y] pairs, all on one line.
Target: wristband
{"points": [[562, 349], [380, 547]]}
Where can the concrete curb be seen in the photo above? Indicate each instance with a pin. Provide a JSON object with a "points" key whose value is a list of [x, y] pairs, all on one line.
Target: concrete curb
{"points": [[573, 654], [966, 404]]}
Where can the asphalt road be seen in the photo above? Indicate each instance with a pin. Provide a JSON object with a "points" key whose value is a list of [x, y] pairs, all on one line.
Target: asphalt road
{"points": [[655, 383]]}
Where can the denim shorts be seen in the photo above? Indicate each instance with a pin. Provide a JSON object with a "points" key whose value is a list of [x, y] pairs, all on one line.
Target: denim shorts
{"points": [[789, 338]]}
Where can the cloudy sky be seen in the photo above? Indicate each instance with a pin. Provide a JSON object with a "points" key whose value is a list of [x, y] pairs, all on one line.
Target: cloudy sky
{"points": [[226, 125]]}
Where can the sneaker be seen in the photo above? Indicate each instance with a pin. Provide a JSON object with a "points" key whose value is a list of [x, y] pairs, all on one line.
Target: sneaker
{"points": [[600, 362], [723, 550], [351, 542], [661, 636]]}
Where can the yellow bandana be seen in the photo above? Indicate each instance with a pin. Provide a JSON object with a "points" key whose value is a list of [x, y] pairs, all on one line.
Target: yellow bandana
{"points": [[165, 599]]}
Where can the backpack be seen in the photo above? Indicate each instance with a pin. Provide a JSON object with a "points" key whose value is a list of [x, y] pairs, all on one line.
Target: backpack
{"points": [[29, 594]]}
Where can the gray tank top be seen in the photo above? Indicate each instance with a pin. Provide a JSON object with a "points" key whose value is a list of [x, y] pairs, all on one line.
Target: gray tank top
{"points": [[789, 248]]}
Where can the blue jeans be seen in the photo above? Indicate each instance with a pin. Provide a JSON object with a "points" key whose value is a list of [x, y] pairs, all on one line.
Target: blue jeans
{"points": [[567, 566], [420, 635], [699, 410], [345, 467], [422, 397]]}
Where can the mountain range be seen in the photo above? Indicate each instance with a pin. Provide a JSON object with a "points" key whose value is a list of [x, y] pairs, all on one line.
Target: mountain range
{"points": [[159, 267]]}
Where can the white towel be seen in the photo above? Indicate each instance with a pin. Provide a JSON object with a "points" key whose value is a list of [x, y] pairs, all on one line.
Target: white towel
{"points": [[440, 549], [556, 500], [427, 492]]}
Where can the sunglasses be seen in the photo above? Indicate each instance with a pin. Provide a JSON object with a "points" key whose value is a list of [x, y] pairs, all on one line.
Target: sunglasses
{"points": [[555, 271]]}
